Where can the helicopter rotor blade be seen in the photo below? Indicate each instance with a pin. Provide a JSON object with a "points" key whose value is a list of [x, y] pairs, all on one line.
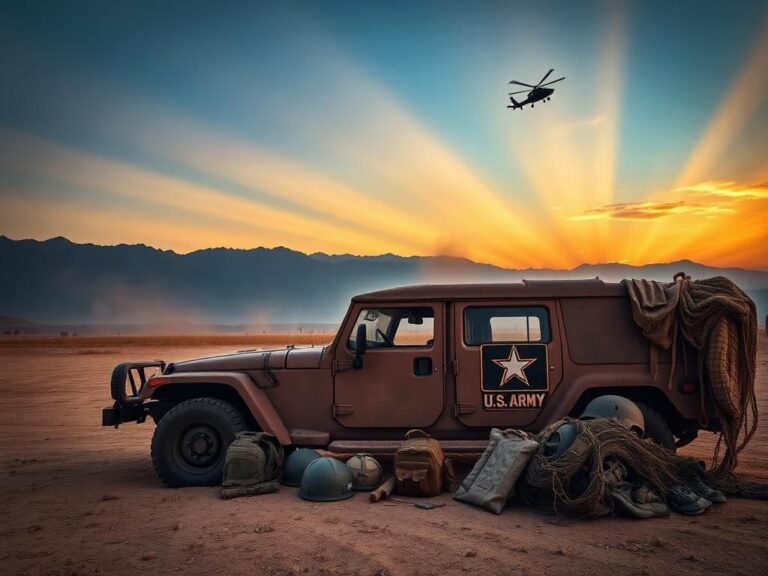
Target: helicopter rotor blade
{"points": [[545, 76], [518, 92], [552, 82], [521, 83]]}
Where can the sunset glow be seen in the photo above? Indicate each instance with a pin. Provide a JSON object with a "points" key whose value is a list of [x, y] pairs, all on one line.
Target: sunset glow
{"points": [[333, 144]]}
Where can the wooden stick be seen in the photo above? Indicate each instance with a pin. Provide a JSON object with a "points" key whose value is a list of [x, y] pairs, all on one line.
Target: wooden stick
{"points": [[385, 490]]}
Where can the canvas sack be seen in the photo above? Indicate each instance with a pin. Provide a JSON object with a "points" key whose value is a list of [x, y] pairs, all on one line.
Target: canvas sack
{"points": [[253, 458], [421, 468], [492, 480]]}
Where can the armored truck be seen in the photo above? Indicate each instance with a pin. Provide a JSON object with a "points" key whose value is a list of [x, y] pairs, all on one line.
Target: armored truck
{"points": [[453, 360]]}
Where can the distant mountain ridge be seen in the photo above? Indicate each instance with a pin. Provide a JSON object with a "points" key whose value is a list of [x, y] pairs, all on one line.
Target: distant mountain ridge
{"points": [[59, 282]]}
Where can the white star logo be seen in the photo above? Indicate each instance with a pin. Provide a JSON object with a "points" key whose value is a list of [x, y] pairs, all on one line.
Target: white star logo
{"points": [[514, 367]]}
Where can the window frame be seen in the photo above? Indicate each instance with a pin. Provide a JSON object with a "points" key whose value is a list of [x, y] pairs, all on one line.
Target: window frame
{"points": [[545, 326]]}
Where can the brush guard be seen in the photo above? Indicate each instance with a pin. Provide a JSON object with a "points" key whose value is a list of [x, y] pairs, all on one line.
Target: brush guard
{"points": [[126, 386]]}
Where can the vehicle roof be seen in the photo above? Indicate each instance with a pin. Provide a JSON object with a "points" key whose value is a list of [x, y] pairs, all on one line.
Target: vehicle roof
{"points": [[496, 291]]}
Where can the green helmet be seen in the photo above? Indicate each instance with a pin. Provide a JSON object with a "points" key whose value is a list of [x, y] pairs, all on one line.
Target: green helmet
{"points": [[326, 480], [623, 409], [366, 472], [296, 463]]}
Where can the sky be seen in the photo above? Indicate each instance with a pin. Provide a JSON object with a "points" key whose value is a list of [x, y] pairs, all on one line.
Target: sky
{"points": [[380, 127]]}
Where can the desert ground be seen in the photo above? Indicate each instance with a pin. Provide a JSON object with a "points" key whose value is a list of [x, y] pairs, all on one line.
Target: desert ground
{"points": [[76, 498]]}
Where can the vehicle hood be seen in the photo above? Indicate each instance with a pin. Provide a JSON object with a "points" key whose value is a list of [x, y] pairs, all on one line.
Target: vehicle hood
{"points": [[284, 358]]}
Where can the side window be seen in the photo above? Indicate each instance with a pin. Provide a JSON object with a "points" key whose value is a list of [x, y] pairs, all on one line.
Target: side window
{"points": [[485, 324], [391, 327]]}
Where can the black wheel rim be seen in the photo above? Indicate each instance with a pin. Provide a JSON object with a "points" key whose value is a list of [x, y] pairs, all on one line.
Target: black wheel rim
{"points": [[199, 447]]}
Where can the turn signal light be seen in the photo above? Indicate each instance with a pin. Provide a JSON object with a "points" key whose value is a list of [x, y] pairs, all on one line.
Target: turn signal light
{"points": [[156, 381]]}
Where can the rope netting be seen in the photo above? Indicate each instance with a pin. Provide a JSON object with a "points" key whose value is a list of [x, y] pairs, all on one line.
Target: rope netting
{"points": [[720, 321]]}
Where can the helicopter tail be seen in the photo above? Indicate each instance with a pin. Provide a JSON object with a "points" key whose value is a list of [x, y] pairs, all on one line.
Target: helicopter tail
{"points": [[515, 103]]}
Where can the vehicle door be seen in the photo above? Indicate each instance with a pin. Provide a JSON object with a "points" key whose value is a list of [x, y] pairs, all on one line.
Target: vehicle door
{"points": [[507, 361], [401, 380]]}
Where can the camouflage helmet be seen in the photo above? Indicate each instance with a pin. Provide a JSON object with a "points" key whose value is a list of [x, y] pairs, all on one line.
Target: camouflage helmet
{"points": [[326, 480], [366, 472], [624, 410], [296, 463]]}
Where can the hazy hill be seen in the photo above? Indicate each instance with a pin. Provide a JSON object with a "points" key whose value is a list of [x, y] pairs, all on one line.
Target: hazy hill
{"points": [[59, 282]]}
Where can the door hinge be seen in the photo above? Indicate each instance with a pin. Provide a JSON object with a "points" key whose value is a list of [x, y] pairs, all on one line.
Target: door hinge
{"points": [[463, 408], [455, 367], [341, 365], [342, 410]]}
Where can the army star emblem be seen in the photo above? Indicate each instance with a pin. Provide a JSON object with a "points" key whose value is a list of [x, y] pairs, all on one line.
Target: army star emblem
{"points": [[514, 367]]}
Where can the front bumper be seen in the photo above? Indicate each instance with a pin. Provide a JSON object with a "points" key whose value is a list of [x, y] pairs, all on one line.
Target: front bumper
{"points": [[118, 414]]}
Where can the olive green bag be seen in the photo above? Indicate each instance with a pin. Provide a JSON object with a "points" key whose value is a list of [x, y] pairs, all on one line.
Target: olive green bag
{"points": [[252, 465], [493, 478]]}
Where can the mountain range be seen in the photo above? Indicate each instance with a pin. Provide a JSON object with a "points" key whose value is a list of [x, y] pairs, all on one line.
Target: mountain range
{"points": [[58, 282]]}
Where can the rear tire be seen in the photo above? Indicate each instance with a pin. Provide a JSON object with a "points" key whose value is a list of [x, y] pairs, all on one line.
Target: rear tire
{"points": [[656, 428], [191, 440]]}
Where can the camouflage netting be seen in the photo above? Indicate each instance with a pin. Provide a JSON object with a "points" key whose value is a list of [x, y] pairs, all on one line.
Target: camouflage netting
{"points": [[574, 483], [718, 319]]}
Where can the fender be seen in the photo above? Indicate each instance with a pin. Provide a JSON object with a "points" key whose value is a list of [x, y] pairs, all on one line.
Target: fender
{"points": [[255, 398], [561, 404]]}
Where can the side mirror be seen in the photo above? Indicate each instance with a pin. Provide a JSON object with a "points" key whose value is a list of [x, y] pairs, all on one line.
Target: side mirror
{"points": [[361, 343]]}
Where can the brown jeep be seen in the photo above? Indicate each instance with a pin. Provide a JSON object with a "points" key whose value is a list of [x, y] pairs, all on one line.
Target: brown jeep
{"points": [[454, 360]]}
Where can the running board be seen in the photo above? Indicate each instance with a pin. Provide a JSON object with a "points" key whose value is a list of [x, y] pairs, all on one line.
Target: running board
{"points": [[391, 446]]}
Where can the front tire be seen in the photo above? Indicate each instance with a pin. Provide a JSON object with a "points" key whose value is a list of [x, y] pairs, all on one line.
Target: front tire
{"points": [[191, 440]]}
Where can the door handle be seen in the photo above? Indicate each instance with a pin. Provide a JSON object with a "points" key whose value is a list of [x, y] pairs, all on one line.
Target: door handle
{"points": [[422, 366]]}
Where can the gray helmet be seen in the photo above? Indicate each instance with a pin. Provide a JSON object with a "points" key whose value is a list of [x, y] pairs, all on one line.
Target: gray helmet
{"points": [[560, 439], [326, 480], [623, 409], [296, 463], [366, 472]]}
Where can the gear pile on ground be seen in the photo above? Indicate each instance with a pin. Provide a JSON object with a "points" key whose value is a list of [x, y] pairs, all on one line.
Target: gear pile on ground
{"points": [[606, 465], [718, 319]]}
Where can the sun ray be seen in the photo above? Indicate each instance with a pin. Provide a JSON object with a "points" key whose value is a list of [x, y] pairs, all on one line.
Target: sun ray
{"points": [[64, 166], [735, 109], [571, 163]]}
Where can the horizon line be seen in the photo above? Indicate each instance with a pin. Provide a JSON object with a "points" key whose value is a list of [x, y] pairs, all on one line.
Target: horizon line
{"points": [[381, 255]]}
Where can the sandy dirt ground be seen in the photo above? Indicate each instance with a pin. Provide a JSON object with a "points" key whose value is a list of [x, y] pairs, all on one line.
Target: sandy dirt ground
{"points": [[76, 498]]}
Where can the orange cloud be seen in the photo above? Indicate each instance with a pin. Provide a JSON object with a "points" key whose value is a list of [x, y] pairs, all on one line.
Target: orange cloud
{"points": [[648, 211]]}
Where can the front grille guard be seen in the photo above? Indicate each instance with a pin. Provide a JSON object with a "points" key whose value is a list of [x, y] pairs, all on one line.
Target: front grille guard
{"points": [[129, 379]]}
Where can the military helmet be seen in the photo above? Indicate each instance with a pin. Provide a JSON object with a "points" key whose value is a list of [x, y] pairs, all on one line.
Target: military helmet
{"points": [[296, 463], [366, 472], [326, 480], [560, 439], [624, 410]]}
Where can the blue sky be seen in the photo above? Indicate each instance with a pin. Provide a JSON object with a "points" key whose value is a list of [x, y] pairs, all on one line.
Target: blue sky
{"points": [[382, 98]]}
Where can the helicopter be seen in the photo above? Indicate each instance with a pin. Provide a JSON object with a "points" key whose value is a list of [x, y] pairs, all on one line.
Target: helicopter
{"points": [[537, 93]]}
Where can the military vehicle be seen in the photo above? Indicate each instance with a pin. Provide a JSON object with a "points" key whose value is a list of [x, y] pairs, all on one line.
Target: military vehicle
{"points": [[453, 360]]}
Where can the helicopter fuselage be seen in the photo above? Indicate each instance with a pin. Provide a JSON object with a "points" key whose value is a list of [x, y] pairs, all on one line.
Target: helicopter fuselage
{"points": [[534, 95]]}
